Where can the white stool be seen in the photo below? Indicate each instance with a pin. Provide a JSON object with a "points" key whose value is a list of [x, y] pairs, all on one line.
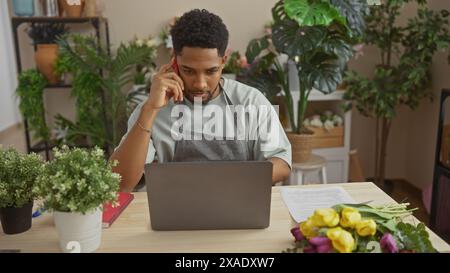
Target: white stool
{"points": [[314, 164]]}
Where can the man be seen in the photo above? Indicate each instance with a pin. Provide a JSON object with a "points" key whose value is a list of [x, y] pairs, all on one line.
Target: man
{"points": [[193, 79]]}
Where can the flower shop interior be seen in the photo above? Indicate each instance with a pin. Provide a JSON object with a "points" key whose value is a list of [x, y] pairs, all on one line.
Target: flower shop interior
{"points": [[371, 93]]}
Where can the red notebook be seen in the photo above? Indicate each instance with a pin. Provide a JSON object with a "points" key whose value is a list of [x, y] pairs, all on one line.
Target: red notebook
{"points": [[111, 213]]}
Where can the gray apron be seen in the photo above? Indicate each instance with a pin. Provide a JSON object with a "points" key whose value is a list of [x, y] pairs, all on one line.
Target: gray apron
{"points": [[213, 150]]}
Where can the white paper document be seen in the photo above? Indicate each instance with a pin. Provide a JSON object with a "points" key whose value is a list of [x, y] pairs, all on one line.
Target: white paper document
{"points": [[303, 202]]}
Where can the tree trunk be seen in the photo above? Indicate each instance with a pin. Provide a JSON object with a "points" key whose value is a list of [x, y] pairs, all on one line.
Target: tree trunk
{"points": [[385, 130], [377, 151]]}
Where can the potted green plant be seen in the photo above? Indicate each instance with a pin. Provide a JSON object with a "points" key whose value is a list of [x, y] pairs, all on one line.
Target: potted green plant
{"points": [[18, 174], [316, 35], [102, 98], [235, 63], [74, 186], [44, 37], [403, 75]]}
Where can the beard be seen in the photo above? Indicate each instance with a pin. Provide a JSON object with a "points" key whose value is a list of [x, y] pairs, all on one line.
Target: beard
{"points": [[206, 96]]}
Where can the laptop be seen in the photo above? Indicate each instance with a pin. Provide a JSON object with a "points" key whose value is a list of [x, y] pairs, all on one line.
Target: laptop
{"points": [[209, 195]]}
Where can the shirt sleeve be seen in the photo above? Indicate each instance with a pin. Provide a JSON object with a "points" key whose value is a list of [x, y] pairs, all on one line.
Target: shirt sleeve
{"points": [[268, 133], [131, 122]]}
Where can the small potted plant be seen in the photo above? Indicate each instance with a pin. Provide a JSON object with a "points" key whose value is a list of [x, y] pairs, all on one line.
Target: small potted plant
{"points": [[18, 174], [235, 63], [74, 186], [44, 36]]}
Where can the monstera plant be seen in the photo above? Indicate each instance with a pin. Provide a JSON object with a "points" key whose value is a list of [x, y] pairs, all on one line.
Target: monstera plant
{"points": [[316, 35]]}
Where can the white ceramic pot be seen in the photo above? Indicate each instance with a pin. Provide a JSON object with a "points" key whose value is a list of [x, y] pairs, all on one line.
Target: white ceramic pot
{"points": [[78, 232]]}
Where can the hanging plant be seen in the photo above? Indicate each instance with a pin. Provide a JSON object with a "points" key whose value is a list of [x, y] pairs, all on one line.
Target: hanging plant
{"points": [[30, 91], [99, 80]]}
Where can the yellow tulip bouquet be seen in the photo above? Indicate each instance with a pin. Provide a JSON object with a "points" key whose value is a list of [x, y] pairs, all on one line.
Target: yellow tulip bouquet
{"points": [[347, 228]]}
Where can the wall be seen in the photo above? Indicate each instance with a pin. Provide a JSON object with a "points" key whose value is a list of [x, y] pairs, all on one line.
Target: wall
{"points": [[244, 19], [8, 103]]}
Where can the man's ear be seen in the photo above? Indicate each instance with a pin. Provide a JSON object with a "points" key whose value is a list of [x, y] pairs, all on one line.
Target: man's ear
{"points": [[224, 60]]}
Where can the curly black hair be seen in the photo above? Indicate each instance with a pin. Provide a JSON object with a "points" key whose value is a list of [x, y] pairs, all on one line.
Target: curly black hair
{"points": [[199, 28]]}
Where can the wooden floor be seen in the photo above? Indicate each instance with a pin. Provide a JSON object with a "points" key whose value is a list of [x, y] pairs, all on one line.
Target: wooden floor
{"points": [[404, 192]]}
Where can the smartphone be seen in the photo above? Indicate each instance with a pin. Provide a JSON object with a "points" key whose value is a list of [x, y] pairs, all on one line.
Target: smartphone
{"points": [[175, 66], [177, 71]]}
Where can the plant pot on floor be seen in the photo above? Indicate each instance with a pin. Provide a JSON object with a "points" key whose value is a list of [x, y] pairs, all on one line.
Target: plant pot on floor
{"points": [[46, 56], [78, 229], [16, 220], [73, 8], [301, 145]]}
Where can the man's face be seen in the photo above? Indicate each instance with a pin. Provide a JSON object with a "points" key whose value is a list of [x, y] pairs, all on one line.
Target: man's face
{"points": [[200, 70]]}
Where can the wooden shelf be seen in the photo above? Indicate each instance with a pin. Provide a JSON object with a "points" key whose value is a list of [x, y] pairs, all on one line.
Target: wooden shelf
{"points": [[32, 19], [55, 86], [316, 95], [97, 23]]}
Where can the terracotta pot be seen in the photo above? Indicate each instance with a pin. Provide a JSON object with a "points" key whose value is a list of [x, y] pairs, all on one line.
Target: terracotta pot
{"points": [[45, 57], [73, 10], [301, 147]]}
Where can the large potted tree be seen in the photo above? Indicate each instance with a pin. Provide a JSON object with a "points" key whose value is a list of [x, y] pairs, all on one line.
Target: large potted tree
{"points": [[317, 36], [74, 186], [403, 75], [18, 174]]}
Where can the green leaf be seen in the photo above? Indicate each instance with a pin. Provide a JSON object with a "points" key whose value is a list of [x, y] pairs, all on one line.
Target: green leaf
{"points": [[255, 47], [312, 13], [77, 180], [414, 238], [30, 91], [336, 43], [18, 174], [265, 82], [293, 40], [354, 11], [278, 12], [322, 72]]}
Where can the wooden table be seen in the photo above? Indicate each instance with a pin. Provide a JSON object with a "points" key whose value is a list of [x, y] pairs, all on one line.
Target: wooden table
{"points": [[132, 233]]}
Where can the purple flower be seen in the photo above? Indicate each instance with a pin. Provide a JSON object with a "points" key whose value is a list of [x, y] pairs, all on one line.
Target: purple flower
{"points": [[309, 249], [321, 244], [298, 235], [388, 243]]}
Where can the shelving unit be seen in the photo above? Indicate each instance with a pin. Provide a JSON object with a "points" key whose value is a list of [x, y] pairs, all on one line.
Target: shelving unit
{"points": [[95, 22]]}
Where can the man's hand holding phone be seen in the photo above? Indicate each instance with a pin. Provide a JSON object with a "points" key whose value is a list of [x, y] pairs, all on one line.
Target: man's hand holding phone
{"points": [[166, 84]]}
